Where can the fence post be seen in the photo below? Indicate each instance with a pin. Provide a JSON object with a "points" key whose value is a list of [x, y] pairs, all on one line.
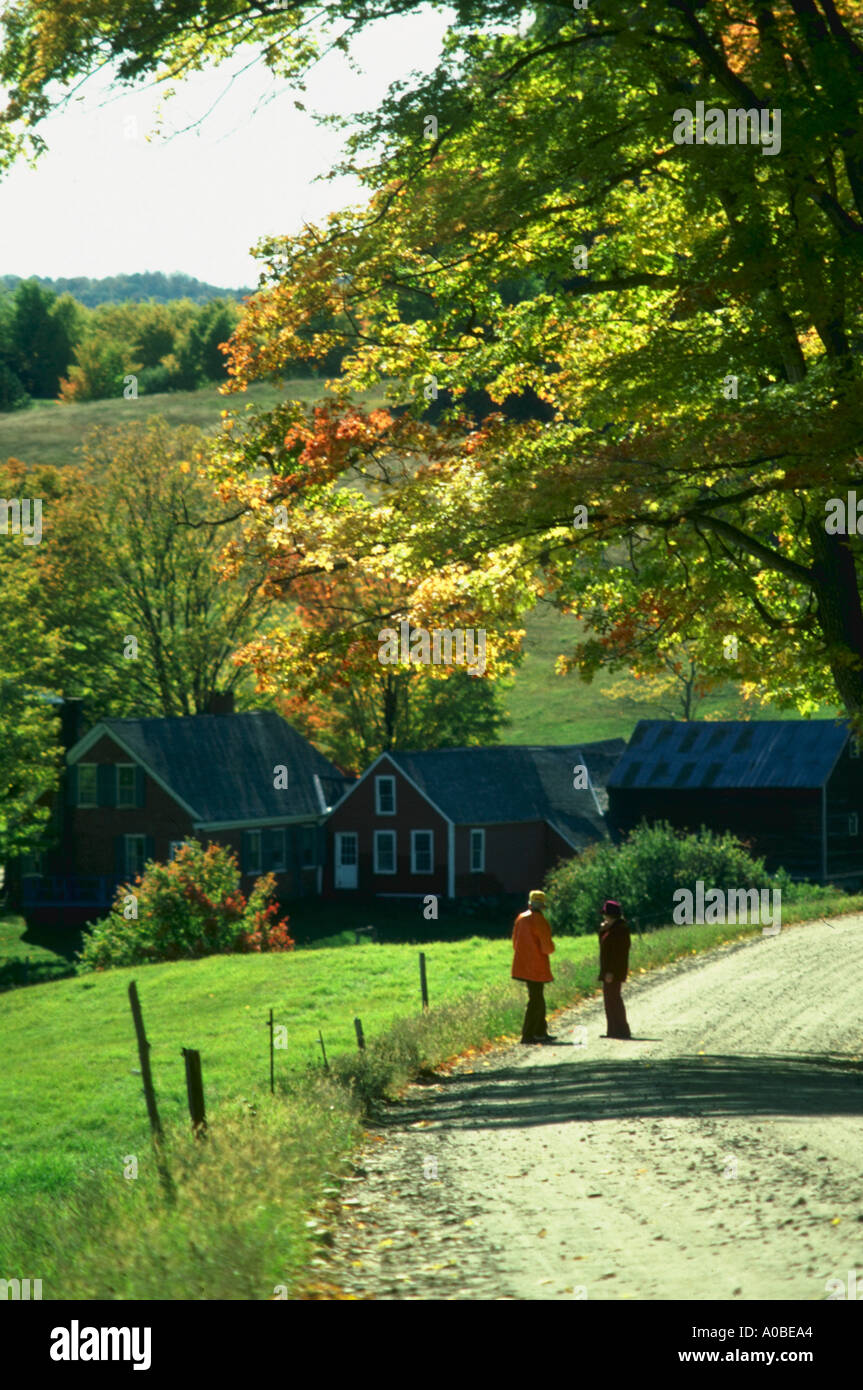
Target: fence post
{"points": [[361, 1042], [424, 989], [144, 1054], [272, 1074], [195, 1090], [149, 1093]]}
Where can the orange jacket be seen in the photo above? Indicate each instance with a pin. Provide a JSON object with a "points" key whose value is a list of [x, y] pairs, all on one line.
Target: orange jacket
{"points": [[532, 946]]}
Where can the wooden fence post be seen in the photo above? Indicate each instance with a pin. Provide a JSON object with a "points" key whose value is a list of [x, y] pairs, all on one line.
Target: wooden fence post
{"points": [[144, 1054], [361, 1042], [424, 989], [149, 1092], [195, 1090]]}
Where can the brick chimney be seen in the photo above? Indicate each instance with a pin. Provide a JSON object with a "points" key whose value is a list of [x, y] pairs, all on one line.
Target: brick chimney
{"points": [[221, 703], [71, 722]]}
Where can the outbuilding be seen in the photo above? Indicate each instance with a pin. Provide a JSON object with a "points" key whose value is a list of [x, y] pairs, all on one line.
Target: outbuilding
{"points": [[791, 788]]}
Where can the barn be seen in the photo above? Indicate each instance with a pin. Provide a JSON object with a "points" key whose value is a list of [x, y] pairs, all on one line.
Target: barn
{"points": [[467, 822], [792, 788]]}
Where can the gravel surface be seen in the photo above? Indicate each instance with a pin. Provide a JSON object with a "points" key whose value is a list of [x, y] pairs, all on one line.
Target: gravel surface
{"points": [[718, 1154]]}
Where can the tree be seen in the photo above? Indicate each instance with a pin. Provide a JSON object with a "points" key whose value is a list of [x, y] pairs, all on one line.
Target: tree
{"points": [[214, 324], [323, 671], [43, 333], [697, 335], [130, 581], [29, 742]]}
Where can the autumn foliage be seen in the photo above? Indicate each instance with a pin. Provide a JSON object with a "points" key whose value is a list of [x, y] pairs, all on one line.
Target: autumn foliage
{"points": [[186, 909]]}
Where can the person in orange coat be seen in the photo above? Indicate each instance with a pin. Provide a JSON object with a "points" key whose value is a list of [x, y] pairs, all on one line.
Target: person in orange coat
{"points": [[614, 944], [532, 945]]}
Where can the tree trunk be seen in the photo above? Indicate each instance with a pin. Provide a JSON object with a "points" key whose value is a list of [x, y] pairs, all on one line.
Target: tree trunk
{"points": [[839, 613]]}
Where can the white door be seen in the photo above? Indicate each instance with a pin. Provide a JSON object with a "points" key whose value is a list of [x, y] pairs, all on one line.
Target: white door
{"points": [[346, 859]]}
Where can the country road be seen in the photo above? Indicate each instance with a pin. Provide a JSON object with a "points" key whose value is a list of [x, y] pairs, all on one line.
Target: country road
{"points": [[719, 1154]]}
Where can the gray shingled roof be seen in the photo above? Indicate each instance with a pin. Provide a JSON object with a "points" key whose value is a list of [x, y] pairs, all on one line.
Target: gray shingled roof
{"points": [[511, 784], [676, 754], [222, 765]]}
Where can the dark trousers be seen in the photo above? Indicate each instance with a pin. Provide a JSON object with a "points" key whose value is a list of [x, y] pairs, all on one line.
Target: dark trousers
{"points": [[615, 1013], [534, 1025]]}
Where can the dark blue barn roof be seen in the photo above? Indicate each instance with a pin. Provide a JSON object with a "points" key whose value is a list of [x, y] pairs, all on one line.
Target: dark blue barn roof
{"points": [[673, 754]]}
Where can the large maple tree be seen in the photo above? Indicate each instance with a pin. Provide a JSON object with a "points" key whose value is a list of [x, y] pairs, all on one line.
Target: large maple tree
{"points": [[692, 323]]}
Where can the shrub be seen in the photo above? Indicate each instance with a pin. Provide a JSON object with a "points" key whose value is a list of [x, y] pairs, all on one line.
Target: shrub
{"points": [[189, 908], [643, 872]]}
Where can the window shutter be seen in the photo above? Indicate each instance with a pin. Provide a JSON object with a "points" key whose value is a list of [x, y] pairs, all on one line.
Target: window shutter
{"points": [[119, 856], [140, 786], [72, 785], [106, 784]]}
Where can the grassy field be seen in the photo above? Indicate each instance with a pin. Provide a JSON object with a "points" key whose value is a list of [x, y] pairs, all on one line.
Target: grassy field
{"points": [[50, 431], [547, 708], [72, 1114]]}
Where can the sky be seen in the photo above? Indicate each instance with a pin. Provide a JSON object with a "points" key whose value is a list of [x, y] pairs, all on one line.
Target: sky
{"points": [[105, 201]]}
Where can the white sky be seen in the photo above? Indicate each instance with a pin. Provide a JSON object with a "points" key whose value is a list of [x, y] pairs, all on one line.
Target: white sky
{"points": [[103, 201]]}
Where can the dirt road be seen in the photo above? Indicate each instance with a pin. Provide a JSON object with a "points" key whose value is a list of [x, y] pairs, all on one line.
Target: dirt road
{"points": [[719, 1154]]}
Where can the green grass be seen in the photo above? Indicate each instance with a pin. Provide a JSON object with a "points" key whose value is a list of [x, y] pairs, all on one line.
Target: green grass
{"points": [[547, 708], [51, 432], [72, 1112], [32, 957]]}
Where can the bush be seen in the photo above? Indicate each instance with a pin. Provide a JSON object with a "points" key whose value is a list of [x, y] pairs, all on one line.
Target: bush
{"points": [[189, 908], [99, 371], [643, 872]]}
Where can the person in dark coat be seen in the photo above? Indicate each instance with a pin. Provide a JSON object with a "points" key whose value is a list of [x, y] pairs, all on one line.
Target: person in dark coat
{"points": [[532, 945], [614, 943]]}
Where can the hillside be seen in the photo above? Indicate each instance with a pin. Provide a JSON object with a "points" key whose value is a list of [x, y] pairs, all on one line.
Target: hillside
{"points": [[121, 289]]}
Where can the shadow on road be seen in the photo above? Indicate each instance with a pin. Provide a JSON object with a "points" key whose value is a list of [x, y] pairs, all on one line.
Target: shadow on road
{"points": [[513, 1097]]}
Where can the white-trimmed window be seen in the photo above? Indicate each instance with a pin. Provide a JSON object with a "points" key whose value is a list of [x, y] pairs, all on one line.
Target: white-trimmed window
{"points": [[135, 852], [254, 854], [477, 851], [422, 851], [385, 851], [127, 784], [88, 786], [174, 848], [385, 796]]}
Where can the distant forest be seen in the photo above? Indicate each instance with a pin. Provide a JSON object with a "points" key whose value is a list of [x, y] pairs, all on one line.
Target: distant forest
{"points": [[120, 289]]}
